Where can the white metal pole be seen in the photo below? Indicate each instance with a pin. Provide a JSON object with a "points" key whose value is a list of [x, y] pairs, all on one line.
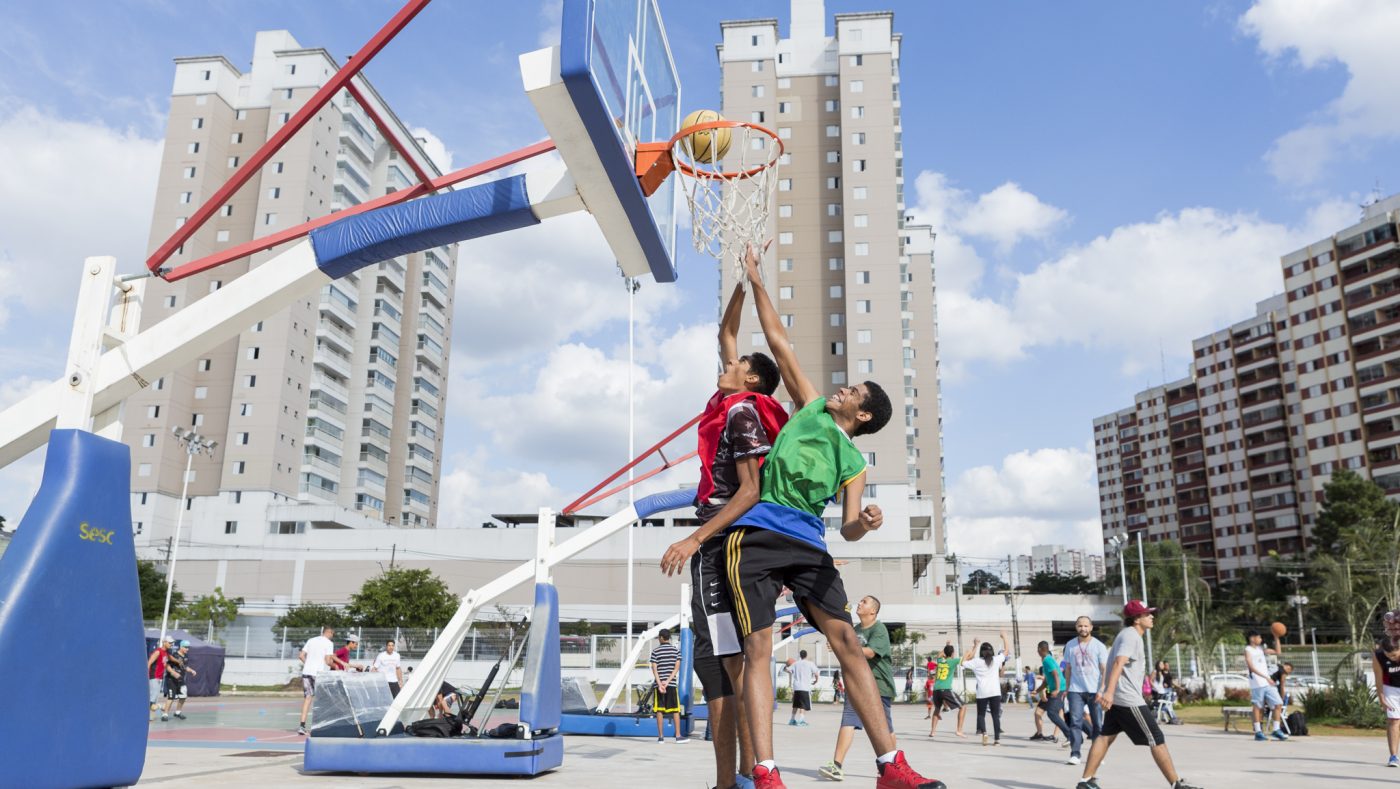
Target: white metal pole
{"points": [[175, 546], [1142, 568], [631, 453]]}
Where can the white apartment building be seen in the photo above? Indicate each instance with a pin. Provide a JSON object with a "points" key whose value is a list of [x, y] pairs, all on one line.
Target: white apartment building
{"points": [[330, 414], [852, 280], [1058, 560]]}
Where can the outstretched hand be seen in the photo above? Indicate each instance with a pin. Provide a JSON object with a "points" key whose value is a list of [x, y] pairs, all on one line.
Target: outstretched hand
{"points": [[752, 257], [673, 561]]}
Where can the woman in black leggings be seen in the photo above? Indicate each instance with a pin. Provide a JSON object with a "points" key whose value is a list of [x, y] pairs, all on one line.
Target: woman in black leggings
{"points": [[987, 669]]}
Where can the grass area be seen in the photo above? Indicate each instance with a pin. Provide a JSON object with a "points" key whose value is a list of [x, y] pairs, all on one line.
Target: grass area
{"points": [[1208, 714]]}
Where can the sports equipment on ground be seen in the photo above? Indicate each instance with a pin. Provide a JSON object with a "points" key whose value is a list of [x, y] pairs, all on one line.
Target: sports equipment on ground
{"points": [[1279, 629], [708, 145]]}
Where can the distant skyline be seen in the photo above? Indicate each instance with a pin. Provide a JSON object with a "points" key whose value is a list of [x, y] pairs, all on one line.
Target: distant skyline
{"points": [[1107, 181]]}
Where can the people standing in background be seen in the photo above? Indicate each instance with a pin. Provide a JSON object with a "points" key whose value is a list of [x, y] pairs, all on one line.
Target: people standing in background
{"points": [[177, 666], [838, 687], [341, 660], [665, 667], [155, 674], [1262, 692], [388, 664], [804, 678], [315, 657], [1028, 685], [1054, 700], [944, 695], [1385, 662], [874, 640], [1085, 664]]}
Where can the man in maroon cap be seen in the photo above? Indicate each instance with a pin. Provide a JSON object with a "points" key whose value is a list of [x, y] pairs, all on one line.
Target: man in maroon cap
{"points": [[1126, 711]]}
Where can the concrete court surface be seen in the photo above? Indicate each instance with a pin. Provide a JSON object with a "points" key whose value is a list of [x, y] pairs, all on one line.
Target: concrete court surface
{"points": [[252, 742]]}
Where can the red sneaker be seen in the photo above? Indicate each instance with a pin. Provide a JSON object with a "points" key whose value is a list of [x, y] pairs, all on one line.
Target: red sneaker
{"points": [[764, 778], [899, 775]]}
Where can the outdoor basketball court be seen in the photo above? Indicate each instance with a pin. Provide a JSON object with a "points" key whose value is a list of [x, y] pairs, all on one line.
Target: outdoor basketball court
{"points": [[213, 748]]}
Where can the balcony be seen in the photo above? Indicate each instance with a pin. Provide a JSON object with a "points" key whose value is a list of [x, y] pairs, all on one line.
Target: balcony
{"points": [[330, 359], [329, 386], [434, 289], [332, 332], [321, 464], [335, 303]]}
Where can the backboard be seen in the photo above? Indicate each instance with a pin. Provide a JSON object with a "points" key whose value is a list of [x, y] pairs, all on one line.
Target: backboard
{"points": [[611, 84]]}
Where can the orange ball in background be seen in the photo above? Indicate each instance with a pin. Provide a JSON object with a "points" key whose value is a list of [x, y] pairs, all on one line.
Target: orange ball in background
{"points": [[1280, 629]]}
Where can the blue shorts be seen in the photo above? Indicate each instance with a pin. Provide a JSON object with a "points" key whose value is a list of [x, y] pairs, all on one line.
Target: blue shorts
{"points": [[849, 717], [1266, 696]]}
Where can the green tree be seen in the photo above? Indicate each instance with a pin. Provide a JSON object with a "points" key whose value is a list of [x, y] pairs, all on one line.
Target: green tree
{"points": [[1348, 500], [152, 584], [983, 582], [213, 608], [582, 627], [403, 598], [1056, 583], [313, 616]]}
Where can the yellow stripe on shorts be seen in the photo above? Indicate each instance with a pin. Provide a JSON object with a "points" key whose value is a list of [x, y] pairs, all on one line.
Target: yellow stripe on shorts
{"points": [[741, 606]]}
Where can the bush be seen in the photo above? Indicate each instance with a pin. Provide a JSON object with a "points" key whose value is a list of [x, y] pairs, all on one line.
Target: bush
{"points": [[784, 694], [1349, 704]]}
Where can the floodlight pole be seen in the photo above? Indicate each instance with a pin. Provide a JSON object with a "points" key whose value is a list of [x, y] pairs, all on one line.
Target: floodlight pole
{"points": [[1142, 568], [194, 443]]}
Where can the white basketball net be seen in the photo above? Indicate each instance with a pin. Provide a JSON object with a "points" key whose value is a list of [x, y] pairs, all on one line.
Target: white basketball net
{"points": [[730, 199]]}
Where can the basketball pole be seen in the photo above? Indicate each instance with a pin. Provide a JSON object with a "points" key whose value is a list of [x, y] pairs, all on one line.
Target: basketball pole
{"points": [[632, 285]]}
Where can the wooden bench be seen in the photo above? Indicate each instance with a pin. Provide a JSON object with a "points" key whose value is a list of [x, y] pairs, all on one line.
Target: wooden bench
{"points": [[1232, 713]]}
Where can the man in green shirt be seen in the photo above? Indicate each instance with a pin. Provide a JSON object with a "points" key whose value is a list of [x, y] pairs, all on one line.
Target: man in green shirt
{"points": [[875, 643], [1054, 702], [944, 696]]}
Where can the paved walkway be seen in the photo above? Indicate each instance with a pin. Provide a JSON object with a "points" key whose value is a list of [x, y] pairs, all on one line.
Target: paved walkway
{"points": [[250, 742]]}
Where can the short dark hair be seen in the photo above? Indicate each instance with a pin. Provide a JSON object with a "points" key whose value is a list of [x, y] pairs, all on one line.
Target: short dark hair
{"points": [[877, 404], [1388, 644], [1045, 645], [665, 634], [763, 366], [1252, 634], [802, 653], [948, 650], [876, 600]]}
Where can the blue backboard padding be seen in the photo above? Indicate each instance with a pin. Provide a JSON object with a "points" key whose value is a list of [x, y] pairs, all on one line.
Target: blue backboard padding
{"points": [[574, 68], [357, 241], [405, 754], [620, 724], [667, 500], [684, 690], [540, 697], [68, 587]]}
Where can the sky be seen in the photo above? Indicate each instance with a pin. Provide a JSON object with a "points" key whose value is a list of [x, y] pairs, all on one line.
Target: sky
{"points": [[1107, 181]]}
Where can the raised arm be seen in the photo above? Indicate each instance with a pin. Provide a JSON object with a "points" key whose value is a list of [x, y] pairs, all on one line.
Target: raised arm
{"points": [[1005, 644], [798, 387], [857, 522], [729, 326]]}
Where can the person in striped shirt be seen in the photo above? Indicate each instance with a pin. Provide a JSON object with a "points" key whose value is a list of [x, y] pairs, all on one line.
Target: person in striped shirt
{"points": [[666, 669]]}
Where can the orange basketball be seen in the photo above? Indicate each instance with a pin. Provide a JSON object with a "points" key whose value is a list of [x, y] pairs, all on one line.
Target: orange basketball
{"points": [[791, 661], [1280, 629]]}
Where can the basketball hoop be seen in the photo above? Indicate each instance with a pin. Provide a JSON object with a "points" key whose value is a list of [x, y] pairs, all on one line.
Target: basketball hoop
{"points": [[731, 195]]}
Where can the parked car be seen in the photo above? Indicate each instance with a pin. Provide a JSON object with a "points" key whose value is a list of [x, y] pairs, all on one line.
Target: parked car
{"points": [[1221, 682]]}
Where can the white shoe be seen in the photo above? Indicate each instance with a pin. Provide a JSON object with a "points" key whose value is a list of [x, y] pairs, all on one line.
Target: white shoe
{"points": [[681, 740], [1072, 760]]}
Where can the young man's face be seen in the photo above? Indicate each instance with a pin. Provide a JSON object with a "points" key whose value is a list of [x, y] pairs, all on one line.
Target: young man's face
{"points": [[846, 401], [1255, 640], [1147, 620], [1042, 651], [389, 647], [866, 607], [1083, 627], [734, 376]]}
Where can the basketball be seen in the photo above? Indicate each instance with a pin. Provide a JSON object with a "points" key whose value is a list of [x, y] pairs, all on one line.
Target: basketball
{"points": [[791, 661], [1280, 629], [708, 145]]}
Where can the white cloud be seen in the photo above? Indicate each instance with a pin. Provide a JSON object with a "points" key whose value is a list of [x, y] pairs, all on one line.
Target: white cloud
{"points": [[475, 487], [1043, 496], [1358, 35], [435, 148], [1008, 214], [68, 190], [552, 14]]}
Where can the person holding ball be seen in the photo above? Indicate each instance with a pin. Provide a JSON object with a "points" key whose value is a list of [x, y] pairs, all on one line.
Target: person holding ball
{"points": [[1262, 690]]}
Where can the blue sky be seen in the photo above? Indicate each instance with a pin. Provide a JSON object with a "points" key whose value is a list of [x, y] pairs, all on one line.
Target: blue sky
{"points": [[1108, 181]]}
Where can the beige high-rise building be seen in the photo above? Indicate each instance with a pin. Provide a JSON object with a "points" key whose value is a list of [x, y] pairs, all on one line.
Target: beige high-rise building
{"points": [[330, 414], [852, 280]]}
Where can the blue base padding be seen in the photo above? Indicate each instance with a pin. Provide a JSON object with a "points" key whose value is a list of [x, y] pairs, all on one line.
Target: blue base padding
{"points": [[647, 506], [620, 724], [69, 578], [406, 754], [357, 241]]}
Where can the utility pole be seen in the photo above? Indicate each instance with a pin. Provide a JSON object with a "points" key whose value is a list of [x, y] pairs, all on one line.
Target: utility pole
{"points": [[393, 551], [1298, 601], [1142, 568], [957, 600], [194, 444]]}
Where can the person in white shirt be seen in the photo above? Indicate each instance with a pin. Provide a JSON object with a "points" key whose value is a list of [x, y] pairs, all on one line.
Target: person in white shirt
{"points": [[804, 679], [315, 657], [387, 663], [986, 668], [1262, 690]]}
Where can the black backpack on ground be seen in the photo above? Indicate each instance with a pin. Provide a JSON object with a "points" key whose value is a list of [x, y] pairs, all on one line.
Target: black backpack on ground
{"points": [[446, 726], [1297, 724]]}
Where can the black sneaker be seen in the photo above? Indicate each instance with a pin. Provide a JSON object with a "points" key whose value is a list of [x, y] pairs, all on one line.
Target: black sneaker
{"points": [[1037, 737], [302, 730], [1181, 784], [1088, 783]]}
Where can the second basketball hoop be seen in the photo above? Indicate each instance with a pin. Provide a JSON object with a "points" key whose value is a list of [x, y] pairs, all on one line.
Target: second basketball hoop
{"points": [[729, 175]]}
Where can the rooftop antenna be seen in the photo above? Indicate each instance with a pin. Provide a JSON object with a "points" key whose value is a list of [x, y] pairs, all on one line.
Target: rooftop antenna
{"points": [[1162, 355]]}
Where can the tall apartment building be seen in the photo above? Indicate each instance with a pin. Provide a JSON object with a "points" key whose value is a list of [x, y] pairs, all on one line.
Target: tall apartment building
{"points": [[852, 280], [1057, 560], [329, 414], [1274, 406]]}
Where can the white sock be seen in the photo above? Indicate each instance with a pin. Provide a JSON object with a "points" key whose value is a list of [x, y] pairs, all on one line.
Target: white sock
{"points": [[886, 758], [768, 764], [1258, 727], [1277, 726]]}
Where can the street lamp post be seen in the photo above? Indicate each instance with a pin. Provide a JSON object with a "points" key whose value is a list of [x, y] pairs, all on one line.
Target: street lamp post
{"points": [[194, 443], [1117, 543]]}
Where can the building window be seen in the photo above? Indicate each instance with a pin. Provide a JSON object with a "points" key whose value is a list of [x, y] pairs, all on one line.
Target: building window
{"points": [[270, 218], [197, 123], [784, 133], [785, 264], [137, 527], [832, 81], [283, 117], [143, 470], [236, 138], [237, 496], [153, 412], [784, 83], [250, 381], [148, 440], [227, 210], [205, 365], [239, 466], [863, 336], [858, 165], [862, 249], [833, 209], [838, 349], [186, 197], [784, 184], [833, 182], [833, 157], [784, 239], [254, 353], [189, 172], [240, 115], [862, 277], [221, 235], [832, 105], [833, 131], [857, 113], [865, 366], [756, 116], [193, 147], [241, 439], [835, 291], [861, 220], [287, 94], [870, 458], [837, 318], [291, 68], [277, 167], [274, 193], [857, 85], [784, 107], [835, 264], [784, 211], [838, 378], [863, 305], [233, 161], [753, 41], [756, 91], [858, 193], [201, 392], [756, 339], [834, 236], [785, 293], [230, 527], [245, 409], [786, 320], [196, 420], [857, 138]]}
